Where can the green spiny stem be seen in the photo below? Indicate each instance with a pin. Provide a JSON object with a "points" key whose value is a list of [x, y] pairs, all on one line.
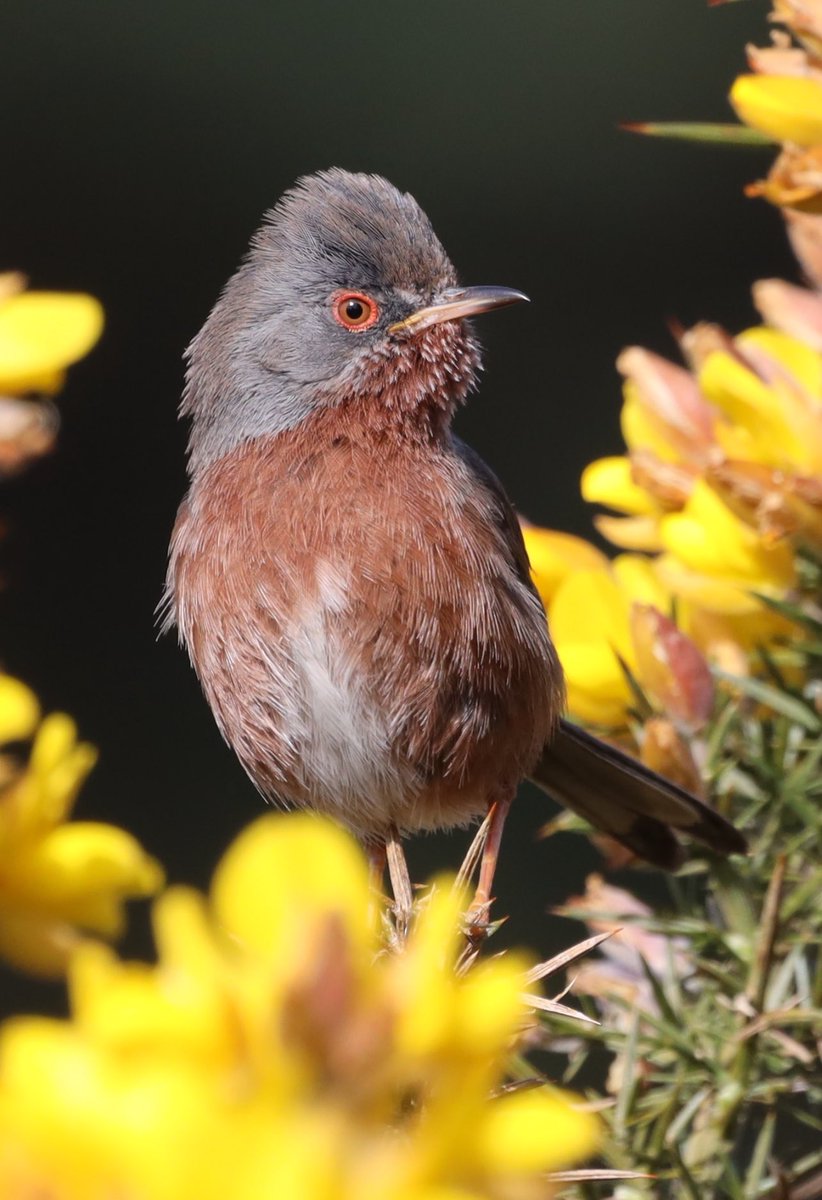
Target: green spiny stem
{"points": [[769, 925]]}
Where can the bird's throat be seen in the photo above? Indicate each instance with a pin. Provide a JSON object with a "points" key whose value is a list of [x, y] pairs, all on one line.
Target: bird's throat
{"points": [[408, 390]]}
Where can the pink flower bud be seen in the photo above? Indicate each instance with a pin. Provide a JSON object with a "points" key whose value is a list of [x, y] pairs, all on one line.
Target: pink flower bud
{"points": [[805, 233], [670, 395], [671, 667], [795, 310]]}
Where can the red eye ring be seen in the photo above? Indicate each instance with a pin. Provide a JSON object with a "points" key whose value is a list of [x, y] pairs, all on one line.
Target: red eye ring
{"points": [[354, 311]]}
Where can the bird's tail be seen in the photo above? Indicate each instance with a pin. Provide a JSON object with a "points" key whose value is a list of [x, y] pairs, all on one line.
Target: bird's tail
{"points": [[626, 800]]}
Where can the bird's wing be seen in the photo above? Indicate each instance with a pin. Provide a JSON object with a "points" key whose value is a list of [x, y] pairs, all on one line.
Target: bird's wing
{"points": [[506, 516]]}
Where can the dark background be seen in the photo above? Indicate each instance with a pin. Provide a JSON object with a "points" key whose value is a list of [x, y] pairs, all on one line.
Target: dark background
{"points": [[140, 144]]}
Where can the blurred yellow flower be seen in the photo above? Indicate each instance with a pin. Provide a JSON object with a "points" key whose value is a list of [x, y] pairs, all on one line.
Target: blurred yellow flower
{"points": [[606, 616], [277, 1050], [784, 101], [41, 334], [553, 555], [717, 562], [57, 879], [590, 621], [768, 388], [19, 710], [611, 481], [722, 469], [787, 108]]}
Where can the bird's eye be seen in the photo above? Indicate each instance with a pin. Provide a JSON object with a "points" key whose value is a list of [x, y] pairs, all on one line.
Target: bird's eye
{"points": [[354, 310]]}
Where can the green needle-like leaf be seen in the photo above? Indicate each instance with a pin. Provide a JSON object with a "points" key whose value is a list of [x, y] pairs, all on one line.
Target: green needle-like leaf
{"points": [[712, 133]]}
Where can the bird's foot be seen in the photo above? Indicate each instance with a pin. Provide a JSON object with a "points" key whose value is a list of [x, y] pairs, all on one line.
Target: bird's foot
{"points": [[477, 920], [477, 923], [477, 928]]}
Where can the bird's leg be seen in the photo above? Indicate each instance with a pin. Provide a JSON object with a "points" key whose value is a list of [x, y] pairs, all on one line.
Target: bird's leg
{"points": [[481, 904], [400, 882], [377, 853]]}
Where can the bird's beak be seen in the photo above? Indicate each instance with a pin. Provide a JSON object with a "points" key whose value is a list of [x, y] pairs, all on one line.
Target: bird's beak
{"points": [[456, 303]]}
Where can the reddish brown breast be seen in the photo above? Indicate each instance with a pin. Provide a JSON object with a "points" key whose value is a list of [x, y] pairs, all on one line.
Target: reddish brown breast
{"points": [[360, 626]]}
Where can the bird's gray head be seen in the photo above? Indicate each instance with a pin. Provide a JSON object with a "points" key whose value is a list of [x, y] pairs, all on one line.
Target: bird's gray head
{"points": [[345, 292]]}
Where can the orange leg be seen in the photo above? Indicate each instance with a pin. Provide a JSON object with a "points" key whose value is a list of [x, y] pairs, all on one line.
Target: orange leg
{"points": [[377, 853], [481, 905]]}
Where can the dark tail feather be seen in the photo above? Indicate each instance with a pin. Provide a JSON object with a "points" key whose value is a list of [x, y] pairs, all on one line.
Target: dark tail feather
{"points": [[626, 800]]}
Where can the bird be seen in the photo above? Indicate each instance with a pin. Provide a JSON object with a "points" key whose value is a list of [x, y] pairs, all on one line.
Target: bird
{"points": [[349, 577]]}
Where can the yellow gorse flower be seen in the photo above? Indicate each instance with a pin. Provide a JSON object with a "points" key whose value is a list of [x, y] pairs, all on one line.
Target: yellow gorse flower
{"points": [[719, 489], [610, 626], [787, 108], [721, 481], [276, 1050], [783, 100], [719, 509], [590, 620], [58, 878], [41, 334]]}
